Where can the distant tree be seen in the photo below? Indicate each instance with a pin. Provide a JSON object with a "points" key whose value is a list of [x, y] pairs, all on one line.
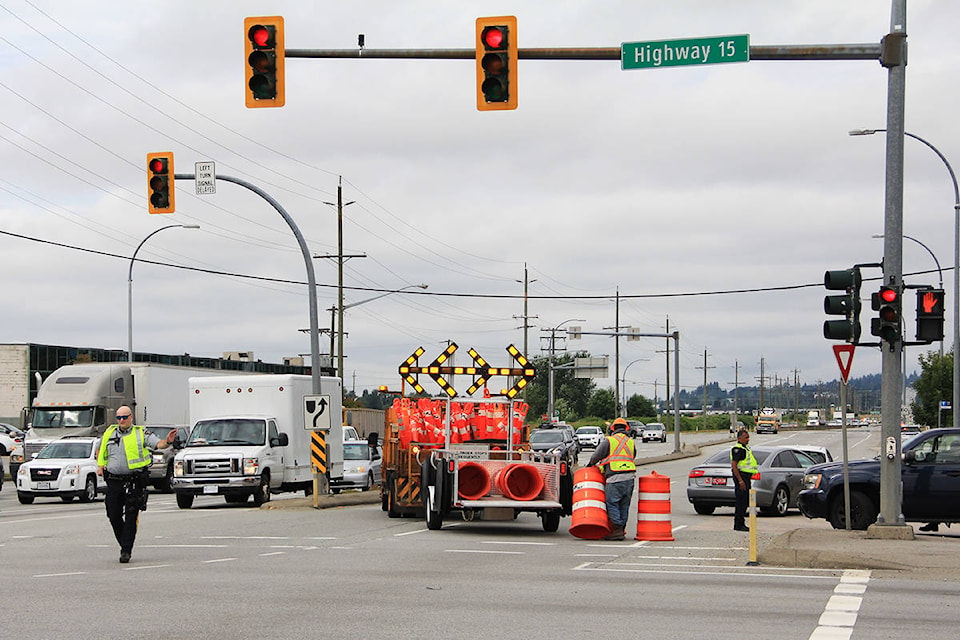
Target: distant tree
{"points": [[637, 405], [603, 404], [934, 384], [570, 392]]}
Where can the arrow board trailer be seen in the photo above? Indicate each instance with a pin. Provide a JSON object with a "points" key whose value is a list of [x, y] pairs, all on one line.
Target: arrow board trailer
{"points": [[449, 455], [249, 437]]}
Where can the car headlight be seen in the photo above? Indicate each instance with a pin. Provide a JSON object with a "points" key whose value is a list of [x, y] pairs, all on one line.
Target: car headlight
{"points": [[158, 458], [812, 480], [71, 469], [251, 466], [178, 468], [22, 471]]}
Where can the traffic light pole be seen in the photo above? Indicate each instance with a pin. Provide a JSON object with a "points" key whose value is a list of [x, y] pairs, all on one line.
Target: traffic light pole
{"points": [[890, 522], [311, 277]]}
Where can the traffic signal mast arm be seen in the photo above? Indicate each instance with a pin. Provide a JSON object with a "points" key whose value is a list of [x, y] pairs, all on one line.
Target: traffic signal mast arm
{"points": [[762, 52]]}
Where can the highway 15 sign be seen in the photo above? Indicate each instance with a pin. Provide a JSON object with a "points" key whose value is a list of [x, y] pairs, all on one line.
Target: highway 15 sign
{"points": [[677, 53]]}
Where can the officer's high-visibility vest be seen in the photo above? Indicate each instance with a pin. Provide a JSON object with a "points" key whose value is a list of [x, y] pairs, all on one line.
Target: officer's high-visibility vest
{"points": [[138, 456], [749, 464], [622, 453]]}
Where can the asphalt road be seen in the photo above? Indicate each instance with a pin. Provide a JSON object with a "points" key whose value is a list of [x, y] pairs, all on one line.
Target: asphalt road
{"points": [[222, 571]]}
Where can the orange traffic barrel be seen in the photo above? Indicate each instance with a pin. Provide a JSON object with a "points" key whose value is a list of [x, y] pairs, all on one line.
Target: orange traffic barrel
{"points": [[519, 481], [473, 481], [590, 520], [653, 508]]}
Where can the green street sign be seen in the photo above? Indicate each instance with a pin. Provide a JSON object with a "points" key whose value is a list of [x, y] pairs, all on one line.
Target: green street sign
{"points": [[677, 53]]}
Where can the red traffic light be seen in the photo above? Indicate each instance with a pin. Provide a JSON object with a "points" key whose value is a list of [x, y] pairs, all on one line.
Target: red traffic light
{"points": [[260, 35], [158, 165], [493, 37], [888, 295], [160, 187]]}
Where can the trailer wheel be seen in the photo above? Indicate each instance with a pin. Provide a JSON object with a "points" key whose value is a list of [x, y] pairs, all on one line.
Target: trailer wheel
{"points": [[550, 521], [391, 500], [428, 493], [184, 500]]}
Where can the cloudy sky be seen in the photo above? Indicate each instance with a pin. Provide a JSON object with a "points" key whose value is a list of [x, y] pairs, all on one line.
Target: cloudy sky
{"points": [[671, 186]]}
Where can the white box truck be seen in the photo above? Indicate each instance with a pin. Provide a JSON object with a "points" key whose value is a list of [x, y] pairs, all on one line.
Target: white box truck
{"points": [[82, 399], [250, 437]]}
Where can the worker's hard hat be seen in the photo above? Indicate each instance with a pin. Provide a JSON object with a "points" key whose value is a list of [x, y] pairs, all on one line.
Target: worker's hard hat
{"points": [[619, 425]]}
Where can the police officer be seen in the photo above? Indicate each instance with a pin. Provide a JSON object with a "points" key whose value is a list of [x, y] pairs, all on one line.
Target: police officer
{"points": [[123, 460], [615, 456], [743, 465]]}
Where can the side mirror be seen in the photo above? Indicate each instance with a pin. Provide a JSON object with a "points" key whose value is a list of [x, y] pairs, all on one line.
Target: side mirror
{"points": [[911, 457], [282, 440], [373, 439]]}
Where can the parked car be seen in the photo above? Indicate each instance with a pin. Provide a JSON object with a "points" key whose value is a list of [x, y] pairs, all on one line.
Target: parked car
{"points": [[930, 475], [557, 441], [778, 481], [589, 437], [161, 469], [65, 468], [361, 467], [654, 431], [10, 437], [634, 428], [737, 426]]}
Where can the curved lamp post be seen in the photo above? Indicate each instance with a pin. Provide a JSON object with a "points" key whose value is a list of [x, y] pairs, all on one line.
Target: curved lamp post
{"points": [[553, 349], [955, 403], [130, 283], [624, 382]]}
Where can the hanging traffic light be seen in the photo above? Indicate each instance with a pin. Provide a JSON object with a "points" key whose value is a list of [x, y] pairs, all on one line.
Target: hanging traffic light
{"points": [[930, 315], [847, 305], [160, 182], [496, 63], [886, 325], [263, 47]]}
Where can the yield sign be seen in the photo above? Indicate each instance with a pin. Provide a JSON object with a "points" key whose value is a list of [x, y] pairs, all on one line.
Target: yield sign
{"points": [[844, 354]]}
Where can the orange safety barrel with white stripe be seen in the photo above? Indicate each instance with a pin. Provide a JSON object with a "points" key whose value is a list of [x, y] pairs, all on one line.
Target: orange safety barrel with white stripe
{"points": [[653, 508], [590, 520]]}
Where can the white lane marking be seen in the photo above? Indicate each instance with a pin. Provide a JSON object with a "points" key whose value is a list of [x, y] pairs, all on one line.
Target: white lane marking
{"points": [[58, 575], [723, 571], [273, 553], [540, 544], [146, 566], [502, 553], [248, 538], [219, 560], [840, 613]]}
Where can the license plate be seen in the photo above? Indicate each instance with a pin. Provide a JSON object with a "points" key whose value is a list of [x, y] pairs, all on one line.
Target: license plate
{"points": [[722, 481], [209, 488], [43, 485]]}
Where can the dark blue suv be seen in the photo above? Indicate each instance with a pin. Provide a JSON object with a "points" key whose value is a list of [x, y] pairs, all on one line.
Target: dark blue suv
{"points": [[930, 471]]}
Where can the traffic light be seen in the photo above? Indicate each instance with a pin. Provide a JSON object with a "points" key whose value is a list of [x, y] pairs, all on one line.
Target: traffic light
{"points": [[263, 47], [496, 63], [847, 305], [160, 182], [930, 315], [887, 323]]}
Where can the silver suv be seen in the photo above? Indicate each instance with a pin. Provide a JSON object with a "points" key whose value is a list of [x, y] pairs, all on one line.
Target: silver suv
{"points": [[161, 469]]}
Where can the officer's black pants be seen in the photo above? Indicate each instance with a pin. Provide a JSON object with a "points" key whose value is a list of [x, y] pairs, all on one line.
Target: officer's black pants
{"points": [[123, 502], [742, 498]]}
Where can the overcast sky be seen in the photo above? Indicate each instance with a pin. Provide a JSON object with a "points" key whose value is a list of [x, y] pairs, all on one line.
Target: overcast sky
{"points": [[670, 185]]}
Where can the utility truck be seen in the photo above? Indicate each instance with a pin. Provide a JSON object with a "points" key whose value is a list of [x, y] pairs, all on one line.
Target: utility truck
{"points": [[251, 436], [82, 399]]}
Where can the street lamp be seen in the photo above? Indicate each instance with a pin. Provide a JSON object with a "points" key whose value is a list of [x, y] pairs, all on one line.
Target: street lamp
{"points": [[624, 382], [344, 307], [130, 284], [956, 265], [553, 349]]}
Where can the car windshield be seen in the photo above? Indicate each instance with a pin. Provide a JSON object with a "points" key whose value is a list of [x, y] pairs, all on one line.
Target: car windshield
{"points": [[540, 437], [160, 432], [655, 427], [588, 430], [75, 450], [356, 451], [236, 431], [62, 418]]}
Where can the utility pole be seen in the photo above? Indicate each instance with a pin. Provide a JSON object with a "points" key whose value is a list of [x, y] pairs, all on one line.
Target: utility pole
{"points": [[736, 388], [616, 352], [526, 317], [705, 367]]}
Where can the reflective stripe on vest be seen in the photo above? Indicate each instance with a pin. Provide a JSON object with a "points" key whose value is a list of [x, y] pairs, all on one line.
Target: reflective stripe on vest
{"points": [[622, 453], [749, 463], [138, 456]]}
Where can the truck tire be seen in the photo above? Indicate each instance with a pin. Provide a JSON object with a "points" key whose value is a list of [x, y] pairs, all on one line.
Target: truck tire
{"points": [[428, 476], [262, 494], [24, 498], [863, 513], [550, 521], [184, 500], [391, 499]]}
